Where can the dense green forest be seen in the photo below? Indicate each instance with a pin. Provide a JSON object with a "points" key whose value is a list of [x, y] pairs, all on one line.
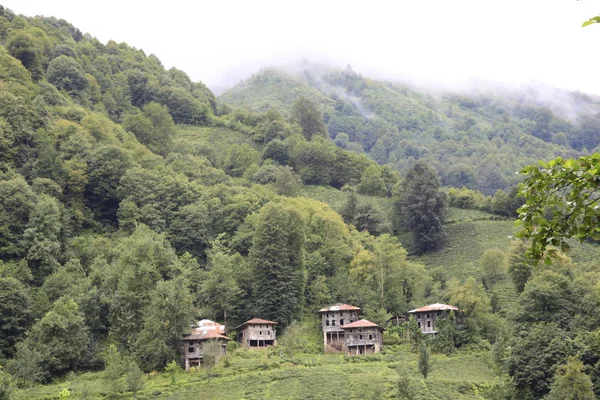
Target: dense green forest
{"points": [[477, 140], [135, 202]]}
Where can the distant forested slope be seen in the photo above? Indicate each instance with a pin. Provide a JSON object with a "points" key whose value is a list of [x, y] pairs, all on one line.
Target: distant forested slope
{"points": [[477, 139]]}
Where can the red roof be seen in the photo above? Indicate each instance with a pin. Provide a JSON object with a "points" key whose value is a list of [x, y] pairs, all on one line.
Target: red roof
{"points": [[361, 323], [196, 335], [434, 307], [339, 307], [257, 321]]}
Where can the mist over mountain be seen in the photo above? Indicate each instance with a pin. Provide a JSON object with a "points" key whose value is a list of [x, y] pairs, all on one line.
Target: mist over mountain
{"points": [[484, 132]]}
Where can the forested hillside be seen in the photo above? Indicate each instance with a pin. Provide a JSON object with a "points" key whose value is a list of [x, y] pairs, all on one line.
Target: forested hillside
{"points": [[477, 138], [133, 203]]}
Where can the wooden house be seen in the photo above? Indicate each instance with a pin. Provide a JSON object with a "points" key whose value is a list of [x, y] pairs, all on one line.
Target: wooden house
{"points": [[257, 333], [426, 316], [363, 337], [333, 319], [194, 342]]}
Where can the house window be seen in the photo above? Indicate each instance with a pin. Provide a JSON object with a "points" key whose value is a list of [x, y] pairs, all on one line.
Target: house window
{"points": [[429, 324], [326, 322], [360, 337], [341, 322], [333, 322], [418, 316], [439, 313], [191, 349], [418, 323], [427, 315], [370, 337], [260, 332]]}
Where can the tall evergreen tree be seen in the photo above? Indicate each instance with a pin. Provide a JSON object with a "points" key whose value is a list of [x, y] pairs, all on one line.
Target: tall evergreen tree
{"points": [[420, 207], [278, 262]]}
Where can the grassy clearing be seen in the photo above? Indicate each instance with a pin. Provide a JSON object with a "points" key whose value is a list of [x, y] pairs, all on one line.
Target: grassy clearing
{"points": [[266, 375]]}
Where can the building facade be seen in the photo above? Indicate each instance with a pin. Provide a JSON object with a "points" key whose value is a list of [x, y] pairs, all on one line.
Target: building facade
{"points": [[333, 319], [363, 337], [426, 316], [257, 333], [194, 342]]}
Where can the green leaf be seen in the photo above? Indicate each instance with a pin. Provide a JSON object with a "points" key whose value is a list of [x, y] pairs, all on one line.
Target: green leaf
{"points": [[590, 22]]}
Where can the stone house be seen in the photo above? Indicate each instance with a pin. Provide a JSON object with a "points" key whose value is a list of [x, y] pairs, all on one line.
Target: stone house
{"points": [[426, 316], [257, 333], [333, 319], [363, 337], [194, 342]]}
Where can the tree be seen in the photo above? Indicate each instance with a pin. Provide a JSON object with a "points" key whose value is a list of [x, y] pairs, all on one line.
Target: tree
{"points": [[22, 47], [277, 256], [238, 159], [447, 336], [424, 363], [41, 237], [183, 107], [415, 335], [15, 315], [494, 264], [211, 354], [134, 378], [6, 385], [66, 74], [571, 383], [107, 165], [293, 339], [547, 297], [287, 181], [371, 182], [168, 316], [220, 288], [61, 337], [308, 116], [420, 208], [172, 369], [153, 127], [17, 201], [406, 389], [26, 366], [518, 265], [139, 262], [277, 151], [386, 269], [536, 353], [561, 198], [115, 369], [473, 303]]}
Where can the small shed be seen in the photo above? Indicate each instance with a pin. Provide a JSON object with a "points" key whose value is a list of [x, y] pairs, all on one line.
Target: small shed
{"points": [[194, 341], [257, 333], [426, 316], [363, 337], [333, 319]]}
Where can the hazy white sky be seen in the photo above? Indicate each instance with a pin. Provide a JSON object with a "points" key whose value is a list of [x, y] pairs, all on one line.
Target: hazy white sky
{"points": [[433, 41]]}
